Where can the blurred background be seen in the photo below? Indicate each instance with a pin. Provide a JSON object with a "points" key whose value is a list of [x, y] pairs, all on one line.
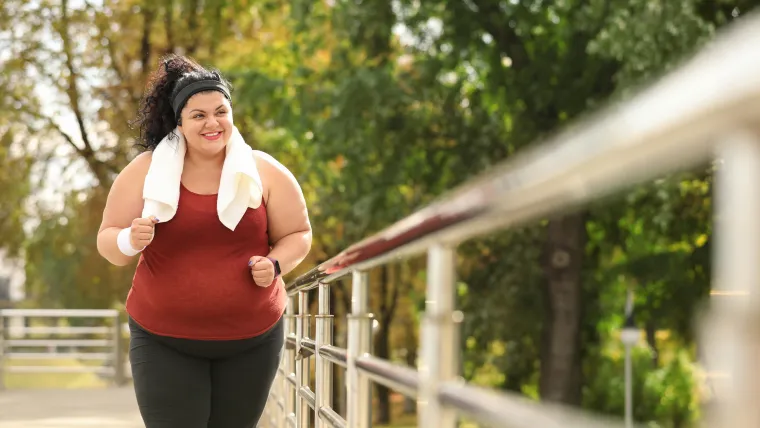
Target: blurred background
{"points": [[378, 107]]}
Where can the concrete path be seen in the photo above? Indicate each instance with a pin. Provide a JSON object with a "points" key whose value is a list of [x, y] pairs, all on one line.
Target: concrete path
{"points": [[81, 408]]}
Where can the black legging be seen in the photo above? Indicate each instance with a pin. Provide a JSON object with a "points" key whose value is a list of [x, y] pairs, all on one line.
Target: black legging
{"points": [[182, 383]]}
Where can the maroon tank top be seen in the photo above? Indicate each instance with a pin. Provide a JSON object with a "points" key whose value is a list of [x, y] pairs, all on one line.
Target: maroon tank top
{"points": [[193, 280]]}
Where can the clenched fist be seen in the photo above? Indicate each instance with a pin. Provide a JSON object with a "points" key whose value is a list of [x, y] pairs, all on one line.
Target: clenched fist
{"points": [[262, 270], [141, 232]]}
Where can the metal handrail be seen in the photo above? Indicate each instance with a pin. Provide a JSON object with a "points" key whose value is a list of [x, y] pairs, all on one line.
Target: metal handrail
{"points": [[114, 354], [707, 109]]}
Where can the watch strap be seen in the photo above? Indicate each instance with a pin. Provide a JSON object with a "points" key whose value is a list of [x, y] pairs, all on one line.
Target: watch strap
{"points": [[276, 264]]}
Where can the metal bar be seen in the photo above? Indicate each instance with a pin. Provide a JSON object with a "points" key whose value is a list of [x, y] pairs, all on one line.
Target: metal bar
{"points": [[58, 342], [272, 408], [335, 355], [2, 349], [510, 410], [290, 341], [60, 369], [671, 125], [333, 419], [628, 375], [323, 367], [308, 396], [732, 334], [302, 363], [359, 399], [57, 356], [58, 330], [290, 359], [274, 405], [60, 313], [308, 347], [628, 387], [399, 378], [439, 362], [279, 387], [119, 355]]}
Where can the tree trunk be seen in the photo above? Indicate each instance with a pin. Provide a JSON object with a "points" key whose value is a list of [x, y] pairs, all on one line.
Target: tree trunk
{"points": [[561, 376], [410, 404], [195, 12], [149, 15], [169, 25], [382, 350], [339, 307], [382, 339]]}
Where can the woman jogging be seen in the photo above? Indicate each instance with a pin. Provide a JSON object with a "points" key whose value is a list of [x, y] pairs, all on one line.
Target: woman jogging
{"points": [[215, 225]]}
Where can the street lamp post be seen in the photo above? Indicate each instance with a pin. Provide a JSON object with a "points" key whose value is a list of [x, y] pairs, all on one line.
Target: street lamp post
{"points": [[629, 337]]}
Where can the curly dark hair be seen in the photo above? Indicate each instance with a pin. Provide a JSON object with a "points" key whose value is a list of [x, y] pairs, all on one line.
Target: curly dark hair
{"points": [[155, 117]]}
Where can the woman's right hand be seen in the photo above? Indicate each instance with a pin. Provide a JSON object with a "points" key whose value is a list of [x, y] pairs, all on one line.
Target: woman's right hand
{"points": [[142, 231]]}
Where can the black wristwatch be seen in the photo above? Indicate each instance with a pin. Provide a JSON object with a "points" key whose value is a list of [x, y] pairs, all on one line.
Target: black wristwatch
{"points": [[276, 264]]}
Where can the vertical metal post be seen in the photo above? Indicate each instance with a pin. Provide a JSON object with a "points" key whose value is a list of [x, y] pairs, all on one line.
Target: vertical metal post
{"points": [[440, 339], [278, 416], [280, 383], [270, 410], [359, 412], [733, 331], [290, 358], [3, 336], [302, 362], [628, 363], [323, 368], [119, 377], [628, 388]]}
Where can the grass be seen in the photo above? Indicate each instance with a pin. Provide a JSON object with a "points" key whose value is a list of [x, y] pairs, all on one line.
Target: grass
{"points": [[53, 380], [401, 420]]}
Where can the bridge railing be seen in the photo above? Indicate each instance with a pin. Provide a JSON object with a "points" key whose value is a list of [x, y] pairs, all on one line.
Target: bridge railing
{"points": [[706, 111], [23, 347]]}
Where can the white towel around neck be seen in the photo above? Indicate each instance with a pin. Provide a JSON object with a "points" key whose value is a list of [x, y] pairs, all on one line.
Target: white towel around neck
{"points": [[239, 187]]}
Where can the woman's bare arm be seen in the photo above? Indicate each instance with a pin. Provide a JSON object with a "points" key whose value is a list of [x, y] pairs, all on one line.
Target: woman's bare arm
{"points": [[124, 204], [287, 216]]}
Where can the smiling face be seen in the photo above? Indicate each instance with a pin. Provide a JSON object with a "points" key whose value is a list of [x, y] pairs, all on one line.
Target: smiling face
{"points": [[207, 123]]}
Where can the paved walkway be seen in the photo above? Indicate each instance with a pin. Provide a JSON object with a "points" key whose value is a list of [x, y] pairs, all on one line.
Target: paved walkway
{"points": [[81, 408]]}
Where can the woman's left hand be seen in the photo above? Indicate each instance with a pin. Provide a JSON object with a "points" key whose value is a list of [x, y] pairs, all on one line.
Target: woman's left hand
{"points": [[262, 270]]}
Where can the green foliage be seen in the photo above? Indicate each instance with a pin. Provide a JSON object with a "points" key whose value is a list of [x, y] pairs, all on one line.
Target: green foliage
{"points": [[501, 298], [63, 267], [15, 170], [663, 397]]}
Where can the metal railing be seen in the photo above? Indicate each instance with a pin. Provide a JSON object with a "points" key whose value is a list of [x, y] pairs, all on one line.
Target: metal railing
{"points": [[706, 111], [20, 344]]}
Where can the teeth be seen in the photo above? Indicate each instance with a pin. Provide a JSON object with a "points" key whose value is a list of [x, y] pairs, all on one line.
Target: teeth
{"points": [[212, 135]]}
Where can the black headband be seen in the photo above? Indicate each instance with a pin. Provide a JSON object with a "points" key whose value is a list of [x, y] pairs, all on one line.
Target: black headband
{"points": [[188, 91]]}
